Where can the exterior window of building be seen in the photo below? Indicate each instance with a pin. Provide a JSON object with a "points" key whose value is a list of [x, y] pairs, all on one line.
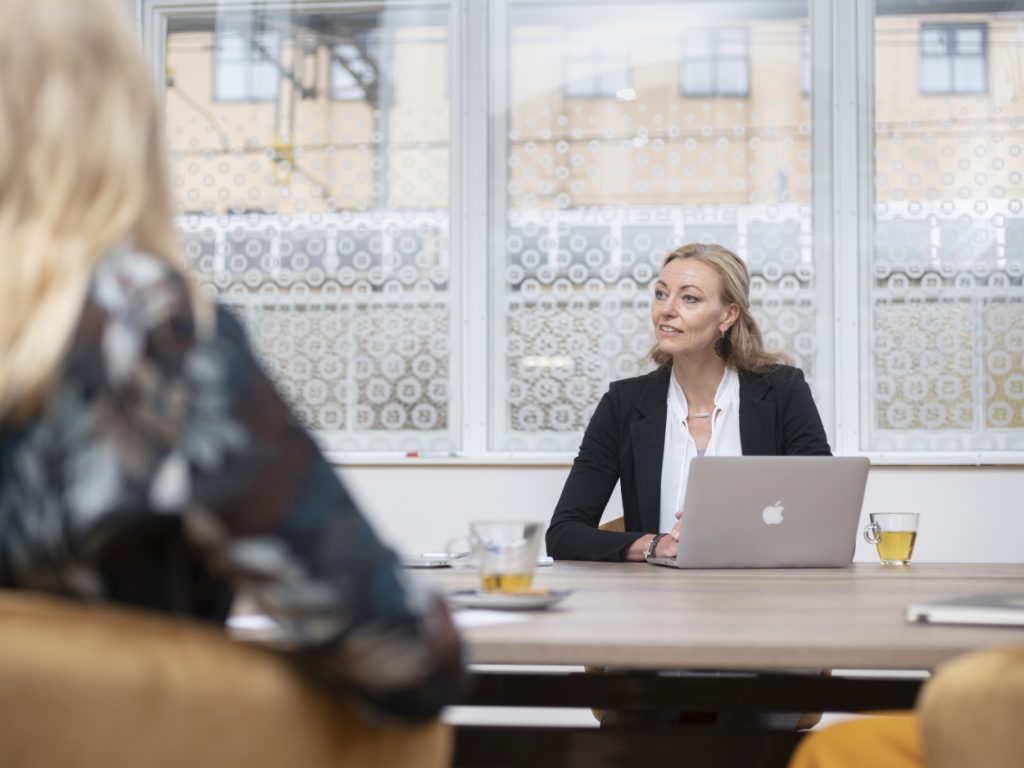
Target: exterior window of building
{"points": [[246, 62], [716, 62], [953, 58], [593, 71]]}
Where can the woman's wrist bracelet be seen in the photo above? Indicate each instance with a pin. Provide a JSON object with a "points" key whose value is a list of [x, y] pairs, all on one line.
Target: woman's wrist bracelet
{"points": [[652, 546]]}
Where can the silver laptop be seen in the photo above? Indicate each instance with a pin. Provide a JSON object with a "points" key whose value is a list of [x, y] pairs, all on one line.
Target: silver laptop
{"points": [[770, 512]]}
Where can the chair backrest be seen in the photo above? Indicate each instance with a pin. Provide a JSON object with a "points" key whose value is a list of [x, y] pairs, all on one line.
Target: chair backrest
{"points": [[970, 711], [94, 686]]}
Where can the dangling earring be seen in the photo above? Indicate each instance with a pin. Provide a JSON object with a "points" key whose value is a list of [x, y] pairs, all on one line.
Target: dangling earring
{"points": [[723, 347]]}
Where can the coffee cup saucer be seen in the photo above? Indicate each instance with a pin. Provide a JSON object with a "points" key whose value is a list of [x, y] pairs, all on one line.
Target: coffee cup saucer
{"points": [[533, 600]]}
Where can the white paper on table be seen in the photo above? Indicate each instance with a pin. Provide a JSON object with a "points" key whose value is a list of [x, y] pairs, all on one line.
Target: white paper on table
{"points": [[253, 622], [475, 617]]}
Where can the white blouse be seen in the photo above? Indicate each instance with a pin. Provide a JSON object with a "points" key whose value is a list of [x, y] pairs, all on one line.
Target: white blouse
{"points": [[680, 447]]}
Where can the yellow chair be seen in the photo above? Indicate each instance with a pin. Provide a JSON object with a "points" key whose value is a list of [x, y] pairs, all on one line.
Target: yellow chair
{"points": [[89, 686], [807, 719], [970, 711], [967, 715]]}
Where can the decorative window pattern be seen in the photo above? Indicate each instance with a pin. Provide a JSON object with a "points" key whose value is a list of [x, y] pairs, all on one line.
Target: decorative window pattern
{"points": [[594, 196], [323, 219], [945, 311], [953, 58], [716, 62]]}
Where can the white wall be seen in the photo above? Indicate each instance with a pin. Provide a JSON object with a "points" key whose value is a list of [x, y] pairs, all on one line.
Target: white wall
{"points": [[968, 514]]}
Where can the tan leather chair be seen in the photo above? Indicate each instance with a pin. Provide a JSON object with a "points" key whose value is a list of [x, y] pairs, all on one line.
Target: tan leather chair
{"points": [[89, 686], [807, 719], [970, 711]]}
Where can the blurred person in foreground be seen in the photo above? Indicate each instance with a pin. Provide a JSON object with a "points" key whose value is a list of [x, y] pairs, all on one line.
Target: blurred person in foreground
{"points": [[145, 458]]}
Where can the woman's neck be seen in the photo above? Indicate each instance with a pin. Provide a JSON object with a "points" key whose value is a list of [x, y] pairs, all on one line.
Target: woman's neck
{"points": [[699, 380]]}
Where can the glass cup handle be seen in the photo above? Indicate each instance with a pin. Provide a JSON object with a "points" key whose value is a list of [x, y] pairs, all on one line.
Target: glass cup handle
{"points": [[459, 548], [872, 533]]}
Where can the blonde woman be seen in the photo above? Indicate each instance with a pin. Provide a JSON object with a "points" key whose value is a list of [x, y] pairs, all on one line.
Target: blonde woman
{"points": [[144, 456], [715, 392]]}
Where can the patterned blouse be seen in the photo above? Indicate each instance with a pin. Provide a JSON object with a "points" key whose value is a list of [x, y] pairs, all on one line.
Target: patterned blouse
{"points": [[166, 473]]}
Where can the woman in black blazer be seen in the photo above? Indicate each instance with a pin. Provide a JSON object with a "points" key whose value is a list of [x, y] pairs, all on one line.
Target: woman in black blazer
{"points": [[708, 341]]}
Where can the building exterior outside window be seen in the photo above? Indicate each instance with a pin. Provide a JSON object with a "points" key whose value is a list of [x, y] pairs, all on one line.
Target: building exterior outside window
{"points": [[246, 63], [953, 58], [716, 62]]}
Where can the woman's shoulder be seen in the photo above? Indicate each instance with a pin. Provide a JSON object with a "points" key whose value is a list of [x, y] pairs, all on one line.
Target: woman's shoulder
{"points": [[777, 383], [779, 373], [634, 386]]}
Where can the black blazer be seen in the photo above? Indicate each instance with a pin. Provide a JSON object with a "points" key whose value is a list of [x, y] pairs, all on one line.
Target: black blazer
{"points": [[625, 442]]}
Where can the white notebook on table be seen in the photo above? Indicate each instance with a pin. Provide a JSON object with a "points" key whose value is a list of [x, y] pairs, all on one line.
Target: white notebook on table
{"points": [[1006, 610]]}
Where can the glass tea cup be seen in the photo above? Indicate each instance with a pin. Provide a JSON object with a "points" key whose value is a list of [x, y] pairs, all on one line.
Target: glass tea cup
{"points": [[506, 554], [894, 535]]}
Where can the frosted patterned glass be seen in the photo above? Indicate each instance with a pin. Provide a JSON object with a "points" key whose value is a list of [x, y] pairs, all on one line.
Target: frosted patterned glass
{"points": [[945, 310], [325, 224], [589, 196]]}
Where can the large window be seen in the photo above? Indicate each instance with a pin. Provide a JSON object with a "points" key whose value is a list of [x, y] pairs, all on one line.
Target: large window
{"points": [[323, 218], [589, 197], [409, 298], [945, 313]]}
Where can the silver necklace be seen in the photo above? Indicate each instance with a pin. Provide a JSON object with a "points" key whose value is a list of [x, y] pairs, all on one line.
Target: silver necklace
{"points": [[704, 415]]}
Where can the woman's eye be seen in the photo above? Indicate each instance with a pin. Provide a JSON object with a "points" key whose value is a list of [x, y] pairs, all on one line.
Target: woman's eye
{"points": [[659, 294], [689, 298]]}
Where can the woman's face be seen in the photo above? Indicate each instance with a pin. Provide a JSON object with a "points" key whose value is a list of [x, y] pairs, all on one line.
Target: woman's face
{"points": [[687, 310]]}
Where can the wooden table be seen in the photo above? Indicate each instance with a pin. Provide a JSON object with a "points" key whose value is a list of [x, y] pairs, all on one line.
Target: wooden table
{"points": [[640, 618]]}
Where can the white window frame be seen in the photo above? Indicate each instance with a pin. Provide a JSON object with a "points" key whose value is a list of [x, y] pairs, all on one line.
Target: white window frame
{"points": [[842, 111]]}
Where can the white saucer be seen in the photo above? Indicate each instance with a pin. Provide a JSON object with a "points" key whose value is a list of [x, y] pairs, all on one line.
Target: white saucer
{"points": [[471, 598]]}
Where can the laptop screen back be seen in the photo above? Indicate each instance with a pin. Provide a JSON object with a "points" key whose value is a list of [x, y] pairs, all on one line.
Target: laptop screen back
{"points": [[771, 511]]}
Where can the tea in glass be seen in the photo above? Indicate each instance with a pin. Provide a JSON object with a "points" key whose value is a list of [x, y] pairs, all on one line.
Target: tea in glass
{"points": [[507, 555], [894, 535]]}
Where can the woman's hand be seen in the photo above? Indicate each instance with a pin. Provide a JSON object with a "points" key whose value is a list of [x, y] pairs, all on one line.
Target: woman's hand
{"points": [[668, 545], [674, 533]]}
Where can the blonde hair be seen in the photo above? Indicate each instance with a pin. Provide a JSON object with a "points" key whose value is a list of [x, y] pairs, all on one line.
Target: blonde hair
{"points": [[748, 352], [82, 170]]}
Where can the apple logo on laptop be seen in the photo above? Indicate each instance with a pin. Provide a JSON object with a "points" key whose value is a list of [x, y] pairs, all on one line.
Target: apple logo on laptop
{"points": [[772, 514]]}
